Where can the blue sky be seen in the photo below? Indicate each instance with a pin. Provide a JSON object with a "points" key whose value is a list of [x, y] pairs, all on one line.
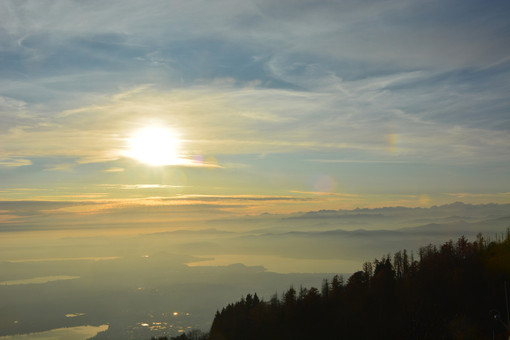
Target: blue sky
{"points": [[297, 105]]}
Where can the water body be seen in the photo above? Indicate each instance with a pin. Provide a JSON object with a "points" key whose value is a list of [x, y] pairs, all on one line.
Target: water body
{"points": [[54, 259], [38, 280], [68, 333]]}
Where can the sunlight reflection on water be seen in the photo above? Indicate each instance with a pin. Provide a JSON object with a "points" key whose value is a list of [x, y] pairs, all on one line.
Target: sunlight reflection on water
{"points": [[53, 259], [68, 333], [38, 280]]}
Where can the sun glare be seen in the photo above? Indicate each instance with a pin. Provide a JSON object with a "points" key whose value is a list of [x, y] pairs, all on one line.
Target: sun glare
{"points": [[156, 146]]}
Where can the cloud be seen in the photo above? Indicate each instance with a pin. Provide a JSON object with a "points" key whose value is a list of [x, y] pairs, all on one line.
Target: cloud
{"points": [[395, 34], [148, 186], [462, 195], [403, 33], [114, 170], [93, 210], [61, 167], [14, 162], [394, 82], [239, 39], [355, 161], [308, 121], [325, 193], [306, 49], [238, 197]]}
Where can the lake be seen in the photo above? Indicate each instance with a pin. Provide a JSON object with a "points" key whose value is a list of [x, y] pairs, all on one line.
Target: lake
{"points": [[67, 333]]}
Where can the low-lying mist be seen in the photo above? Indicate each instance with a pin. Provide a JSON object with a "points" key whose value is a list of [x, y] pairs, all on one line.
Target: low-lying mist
{"points": [[147, 282]]}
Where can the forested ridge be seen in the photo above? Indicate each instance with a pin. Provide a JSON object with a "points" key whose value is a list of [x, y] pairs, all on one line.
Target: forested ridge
{"points": [[453, 291]]}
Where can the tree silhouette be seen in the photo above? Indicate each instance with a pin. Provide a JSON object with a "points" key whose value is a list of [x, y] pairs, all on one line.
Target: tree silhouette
{"points": [[453, 291]]}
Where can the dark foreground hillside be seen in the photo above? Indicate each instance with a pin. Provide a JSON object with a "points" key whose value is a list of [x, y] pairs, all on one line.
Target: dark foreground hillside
{"points": [[455, 291]]}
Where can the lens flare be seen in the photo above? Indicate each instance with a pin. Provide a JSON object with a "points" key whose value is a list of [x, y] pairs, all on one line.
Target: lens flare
{"points": [[324, 183], [391, 142]]}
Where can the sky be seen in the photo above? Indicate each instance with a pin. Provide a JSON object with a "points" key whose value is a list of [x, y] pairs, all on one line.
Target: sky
{"points": [[200, 109]]}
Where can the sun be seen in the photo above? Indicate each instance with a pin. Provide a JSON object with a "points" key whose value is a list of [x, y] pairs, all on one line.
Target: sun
{"points": [[155, 146]]}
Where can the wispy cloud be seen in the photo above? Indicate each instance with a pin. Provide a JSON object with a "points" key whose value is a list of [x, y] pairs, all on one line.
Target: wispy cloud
{"points": [[325, 193], [361, 161], [106, 132], [93, 208], [143, 186], [14, 162], [479, 195], [238, 197], [396, 82], [114, 170], [61, 167]]}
